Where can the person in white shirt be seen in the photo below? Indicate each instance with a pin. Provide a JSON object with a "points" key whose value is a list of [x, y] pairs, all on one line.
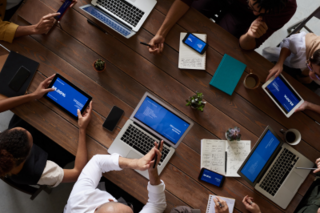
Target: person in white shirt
{"points": [[85, 197]]}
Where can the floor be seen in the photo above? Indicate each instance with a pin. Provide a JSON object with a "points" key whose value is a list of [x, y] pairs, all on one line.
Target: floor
{"points": [[13, 201]]}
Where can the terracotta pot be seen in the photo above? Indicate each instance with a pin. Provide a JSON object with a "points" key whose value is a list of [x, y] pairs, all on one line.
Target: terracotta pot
{"points": [[104, 68]]}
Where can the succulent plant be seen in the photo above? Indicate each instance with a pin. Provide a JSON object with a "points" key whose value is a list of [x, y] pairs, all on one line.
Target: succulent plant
{"points": [[233, 134], [196, 101], [99, 64]]}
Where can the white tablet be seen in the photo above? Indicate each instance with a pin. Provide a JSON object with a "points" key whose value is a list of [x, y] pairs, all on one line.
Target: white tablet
{"points": [[283, 95]]}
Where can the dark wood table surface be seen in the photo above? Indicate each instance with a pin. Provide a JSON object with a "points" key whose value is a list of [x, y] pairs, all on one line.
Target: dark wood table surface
{"points": [[131, 71]]}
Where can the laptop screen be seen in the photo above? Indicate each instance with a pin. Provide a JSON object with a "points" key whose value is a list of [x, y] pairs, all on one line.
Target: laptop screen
{"points": [[161, 120], [260, 156]]}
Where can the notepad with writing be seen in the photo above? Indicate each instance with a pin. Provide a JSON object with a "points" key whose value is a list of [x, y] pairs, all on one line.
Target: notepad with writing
{"points": [[228, 74], [224, 157], [189, 58], [210, 207]]}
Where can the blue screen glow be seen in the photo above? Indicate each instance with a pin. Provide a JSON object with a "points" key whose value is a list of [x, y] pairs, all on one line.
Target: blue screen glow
{"points": [[211, 177], [161, 120], [67, 97], [260, 156], [283, 94], [195, 43]]}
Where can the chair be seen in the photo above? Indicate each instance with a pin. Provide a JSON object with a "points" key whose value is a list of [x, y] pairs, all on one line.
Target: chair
{"points": [[33, 191], [302, 24]]}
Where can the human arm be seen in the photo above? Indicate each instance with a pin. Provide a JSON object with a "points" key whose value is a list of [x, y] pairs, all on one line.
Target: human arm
{"points": [[310, 106], [250, 205], [220, 205], [71, 175], [278, 67], [42, 89], [176, 11]]}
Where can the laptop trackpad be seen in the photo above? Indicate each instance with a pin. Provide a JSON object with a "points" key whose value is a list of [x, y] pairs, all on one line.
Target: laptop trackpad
{"points": [[293, 182], [133, 155]]}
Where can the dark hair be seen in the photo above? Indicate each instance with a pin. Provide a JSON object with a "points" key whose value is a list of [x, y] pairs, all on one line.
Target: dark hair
{"points": [[271, 6], [315, 59], [14, 149]]}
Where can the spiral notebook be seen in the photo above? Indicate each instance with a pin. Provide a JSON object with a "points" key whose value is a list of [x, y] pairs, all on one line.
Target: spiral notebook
{"points": [[230, 202]]}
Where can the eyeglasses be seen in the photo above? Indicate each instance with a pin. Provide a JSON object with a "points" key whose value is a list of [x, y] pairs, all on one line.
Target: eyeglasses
{"points": [[311, 70]]}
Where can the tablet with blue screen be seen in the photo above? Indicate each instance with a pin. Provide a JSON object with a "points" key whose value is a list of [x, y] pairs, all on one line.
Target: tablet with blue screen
{"points": [[67, 96], [283, 95]]}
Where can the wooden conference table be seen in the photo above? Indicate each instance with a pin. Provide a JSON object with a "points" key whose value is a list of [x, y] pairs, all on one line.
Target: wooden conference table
{"points": [[131, 71]]}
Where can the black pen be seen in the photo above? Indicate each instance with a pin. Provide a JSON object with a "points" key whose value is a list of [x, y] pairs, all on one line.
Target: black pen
{"points": [[145, 44], [95, 25], [155, 157], [220, 204]]}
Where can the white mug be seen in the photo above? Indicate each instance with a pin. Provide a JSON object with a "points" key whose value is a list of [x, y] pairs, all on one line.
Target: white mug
{"points": [[297, 135]]}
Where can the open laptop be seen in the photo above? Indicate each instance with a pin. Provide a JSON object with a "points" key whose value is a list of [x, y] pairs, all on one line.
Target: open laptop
{"points": [[152, 120], [271, 168], [123, 16]]}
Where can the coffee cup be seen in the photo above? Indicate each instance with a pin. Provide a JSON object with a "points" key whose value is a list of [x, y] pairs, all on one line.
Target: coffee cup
{"points": [[292, 136], [251, 81]]}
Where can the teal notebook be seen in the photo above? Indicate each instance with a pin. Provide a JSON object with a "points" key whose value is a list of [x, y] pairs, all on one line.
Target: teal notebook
{"points": [[228, 74]]}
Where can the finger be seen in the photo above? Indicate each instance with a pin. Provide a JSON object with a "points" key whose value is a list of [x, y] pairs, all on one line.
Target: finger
{"points": [[215, 201], [79, 113], [318, 160], [317, 170], [161, 47], [269, 76], [50, 15], [151, 50], [161, 146], [49, 90]]}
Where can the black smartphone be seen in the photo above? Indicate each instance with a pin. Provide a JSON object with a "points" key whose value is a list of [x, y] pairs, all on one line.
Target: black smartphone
{"points": [[63, 9], [113, 118], [19, 79], [195, 43], [211, 177]]}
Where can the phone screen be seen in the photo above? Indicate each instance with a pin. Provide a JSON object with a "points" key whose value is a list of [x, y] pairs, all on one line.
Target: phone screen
{"points": [[113, 118], [195, 43], [63, 9], [19, 79], [211, 177]]}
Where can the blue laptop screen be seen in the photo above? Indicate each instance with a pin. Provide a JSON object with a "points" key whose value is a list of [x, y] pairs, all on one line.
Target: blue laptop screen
{"points": [[67, 97], [195, 43], [161, 120], [283, 94], [260, 156]]}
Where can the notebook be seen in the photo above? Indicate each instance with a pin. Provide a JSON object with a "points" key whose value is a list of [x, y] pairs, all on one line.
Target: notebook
{"points": [[189, 58], [228, 74], [224, 157], [210, 207]]}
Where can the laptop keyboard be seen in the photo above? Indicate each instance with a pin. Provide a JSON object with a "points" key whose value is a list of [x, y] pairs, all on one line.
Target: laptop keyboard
{"points": [[141, 141], [123, 9], [279, 171]]}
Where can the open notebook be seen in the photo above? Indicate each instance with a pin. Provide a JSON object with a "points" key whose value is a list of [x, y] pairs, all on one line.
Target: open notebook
{"points": [[230, 202], [189, 58], [224, 157]]}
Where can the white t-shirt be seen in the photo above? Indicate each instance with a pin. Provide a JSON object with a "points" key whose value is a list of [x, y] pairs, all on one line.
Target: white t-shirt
{"points": [[52, 175], [12, 3], [85, 197]]}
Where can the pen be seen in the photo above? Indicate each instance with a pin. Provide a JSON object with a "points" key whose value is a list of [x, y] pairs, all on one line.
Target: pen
{"points": [[155, 157], [95, 25], [306, 168], [145, 44], [220, 204]]}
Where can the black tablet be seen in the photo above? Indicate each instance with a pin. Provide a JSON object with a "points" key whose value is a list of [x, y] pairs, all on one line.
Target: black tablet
{"points": [[67, 96]]}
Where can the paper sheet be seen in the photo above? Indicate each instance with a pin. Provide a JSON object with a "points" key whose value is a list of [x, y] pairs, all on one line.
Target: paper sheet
{"points": [[189, 58], [213, 155], [237, 151], [210, 208]]}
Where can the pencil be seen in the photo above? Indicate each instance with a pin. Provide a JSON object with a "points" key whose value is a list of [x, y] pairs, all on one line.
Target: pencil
{"points": [[155, 157], [145, 44]]}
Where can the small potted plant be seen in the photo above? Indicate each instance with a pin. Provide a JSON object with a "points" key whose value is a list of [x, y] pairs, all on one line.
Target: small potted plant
{"points": [[99, 65], [233, 134], [196, 102]]}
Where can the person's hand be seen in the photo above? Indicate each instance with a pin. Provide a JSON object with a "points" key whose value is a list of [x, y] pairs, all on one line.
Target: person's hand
{"points": [[258, 28], [275, 71], [156, 43], [45, 23], [250, 205], [147, 161], [83, 120], [220, 209], [318, 166], [43, 88], [303, 106], [72, 4]]}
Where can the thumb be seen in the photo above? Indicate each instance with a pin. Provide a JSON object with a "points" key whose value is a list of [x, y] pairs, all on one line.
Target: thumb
{"points": [[317, 170], [79, 113], [49, 90], [259, 18]]}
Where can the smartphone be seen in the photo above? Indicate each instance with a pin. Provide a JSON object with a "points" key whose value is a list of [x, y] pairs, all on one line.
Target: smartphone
{"points": [[113, 118], [63, 9], [19, 79], [211, 177], [195, 43]]}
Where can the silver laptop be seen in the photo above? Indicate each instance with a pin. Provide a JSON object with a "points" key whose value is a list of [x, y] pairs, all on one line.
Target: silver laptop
{"points": [[152, 120], [123, 16], [271, 168]]}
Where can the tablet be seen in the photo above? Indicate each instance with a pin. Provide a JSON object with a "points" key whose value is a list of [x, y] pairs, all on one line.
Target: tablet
{"points": [[283, 95], [67, 96]]}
